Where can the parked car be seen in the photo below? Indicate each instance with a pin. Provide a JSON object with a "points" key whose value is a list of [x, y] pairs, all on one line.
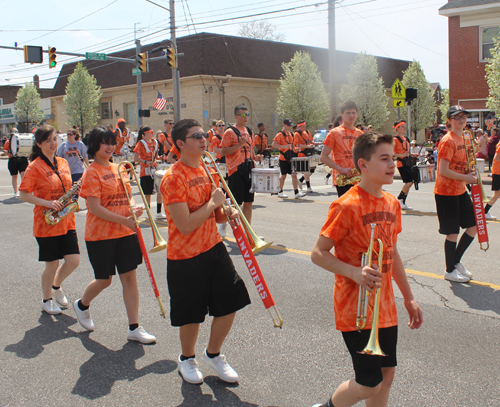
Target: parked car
{"points": [[318, 137]]}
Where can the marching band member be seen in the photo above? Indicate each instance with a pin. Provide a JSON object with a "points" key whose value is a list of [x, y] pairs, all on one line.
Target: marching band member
{"points": [[495, 185], [211, 133], [284, 142], [453, 203], [167, 143], [347, 229], [145, 152], [216, 140], [16, 165], [47, 178], [200, 274], [110, 236], [339, 142], [403, 155], [303, 143], [260, 142], [122, 135]]}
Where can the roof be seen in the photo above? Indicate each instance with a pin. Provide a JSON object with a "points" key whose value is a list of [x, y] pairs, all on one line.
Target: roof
{"points": [[466, 3], [435, 85], [221, 55]]}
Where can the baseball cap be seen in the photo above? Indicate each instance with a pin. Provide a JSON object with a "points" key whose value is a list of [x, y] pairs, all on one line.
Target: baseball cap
{"points": [[121, 120], [454, 110], [287, 122]]}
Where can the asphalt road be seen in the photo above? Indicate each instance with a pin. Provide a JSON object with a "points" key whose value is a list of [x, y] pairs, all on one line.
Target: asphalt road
{"points": [[52, 361]]}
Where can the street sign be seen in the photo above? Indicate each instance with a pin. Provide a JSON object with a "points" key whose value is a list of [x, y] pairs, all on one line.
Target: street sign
{"points": [[398, 91], [398, 102], [95, 56], [205, 114], [136, 71]]}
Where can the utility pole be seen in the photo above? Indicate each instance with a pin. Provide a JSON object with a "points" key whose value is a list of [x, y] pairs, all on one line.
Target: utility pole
{"points": [[139, 86], [176, 82], [332, 59]]}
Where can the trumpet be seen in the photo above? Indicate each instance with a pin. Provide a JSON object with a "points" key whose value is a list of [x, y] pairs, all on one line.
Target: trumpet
{"points": [[125, 167], [373, 346], [247, 247], [342, 180]]}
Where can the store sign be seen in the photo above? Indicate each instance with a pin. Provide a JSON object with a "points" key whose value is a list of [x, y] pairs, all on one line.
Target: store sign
{"points": [[6, 113]]}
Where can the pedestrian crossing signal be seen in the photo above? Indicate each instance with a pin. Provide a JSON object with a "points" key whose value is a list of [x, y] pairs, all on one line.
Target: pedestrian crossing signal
{"points": [[171, 58], [52, 57], [142, 62]]}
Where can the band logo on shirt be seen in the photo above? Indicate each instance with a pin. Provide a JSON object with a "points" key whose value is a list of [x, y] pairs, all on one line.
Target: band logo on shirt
{"points": [[119, 199], [346, 137], [198, 181], [108, 176], [378, 217]]}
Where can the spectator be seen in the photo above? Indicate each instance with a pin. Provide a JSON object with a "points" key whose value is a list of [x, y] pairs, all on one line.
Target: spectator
{"points": [[492, 145], [482, 143]]}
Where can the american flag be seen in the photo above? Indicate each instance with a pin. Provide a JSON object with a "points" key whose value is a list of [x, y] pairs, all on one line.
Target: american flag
{"points": [[160, 102]]}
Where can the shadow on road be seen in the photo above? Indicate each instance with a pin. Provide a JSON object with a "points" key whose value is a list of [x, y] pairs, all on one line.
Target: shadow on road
{"points": [[106, 366], [12, 201], [478, 297]]}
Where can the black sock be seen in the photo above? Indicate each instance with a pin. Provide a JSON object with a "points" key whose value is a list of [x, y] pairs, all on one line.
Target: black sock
{"points": [[301, 179], [328, 403], [487, 208], [328, 175], [213, 355], [462, 246], [158, 208], [450, 249], [296, 191], [280, 190], [82, 307], [56, 288], [402, 196], [183, 358], [48, 299], [133, 327], [308, 183]]}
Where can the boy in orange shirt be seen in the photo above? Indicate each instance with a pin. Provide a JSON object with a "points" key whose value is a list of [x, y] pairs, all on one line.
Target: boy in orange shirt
{"points": [[110, 236], [200, 274], [453, 203], [495, 185], [348, 229], [402, 153]]}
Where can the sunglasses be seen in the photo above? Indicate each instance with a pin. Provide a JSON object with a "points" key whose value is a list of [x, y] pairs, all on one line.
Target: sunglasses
{"points": [[244, 114], [198, 136], [171, 124], [220, 125]]}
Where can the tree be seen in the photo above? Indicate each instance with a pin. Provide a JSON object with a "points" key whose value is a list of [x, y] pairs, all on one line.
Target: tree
{"points": [[445, 103], [493, 77], [423, 108], [82, 99], [302, 94], [261, 30], [27, 107], [365, 86]]}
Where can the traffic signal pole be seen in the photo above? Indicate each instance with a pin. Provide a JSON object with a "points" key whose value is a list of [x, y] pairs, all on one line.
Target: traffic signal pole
{"points": [[139, 86], [176, 85]]}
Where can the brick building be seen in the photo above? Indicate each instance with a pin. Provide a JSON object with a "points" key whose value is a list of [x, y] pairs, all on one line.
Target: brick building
{"points": [[472, 25], [217, 72]]}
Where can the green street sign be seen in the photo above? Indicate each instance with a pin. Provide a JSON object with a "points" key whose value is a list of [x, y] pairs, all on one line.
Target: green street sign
{"points": [[95, 56], [136, 71]]}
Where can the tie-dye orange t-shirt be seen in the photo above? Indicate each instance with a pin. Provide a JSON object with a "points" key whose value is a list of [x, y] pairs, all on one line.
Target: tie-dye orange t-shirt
{"points": [[215, 142], [451, 148], [340, 140], [144, 155], [103, 183], [400, 148], [182, 183], [348, 225], [283, 140], [495, 168], [230, 139], [301, 138]]}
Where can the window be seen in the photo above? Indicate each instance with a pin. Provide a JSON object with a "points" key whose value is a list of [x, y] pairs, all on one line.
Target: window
{"points": [[1, 101], [487, 35], [106, 110], [129, 113]]}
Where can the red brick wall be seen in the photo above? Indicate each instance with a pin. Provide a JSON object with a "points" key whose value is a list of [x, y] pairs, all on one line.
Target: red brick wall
{"points": [[466, 72]]}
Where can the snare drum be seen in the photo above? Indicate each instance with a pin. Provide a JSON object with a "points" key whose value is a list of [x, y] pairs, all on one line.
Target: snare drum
{"points": [[223, 169], [301, 164], [130, 157], [161, 170], [274, 162], [118, 158], [265, 180], [314, 160], [21, 144]]}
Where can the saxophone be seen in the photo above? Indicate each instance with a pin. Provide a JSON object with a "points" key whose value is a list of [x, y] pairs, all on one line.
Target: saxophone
{"points": [[69, 201], [342, 179]]}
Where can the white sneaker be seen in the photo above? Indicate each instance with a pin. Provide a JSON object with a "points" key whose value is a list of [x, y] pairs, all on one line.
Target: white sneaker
{"points": [[463, 271], [489, 216], [50, 307], [59, 296], [17, 194], [456, 277], [222, 230], [404, 206], [160, 216], [189, 370], [310, 190], [299, 194], [282, 195], [83, 316], [140, 334], [326, 180], [221, 367]]}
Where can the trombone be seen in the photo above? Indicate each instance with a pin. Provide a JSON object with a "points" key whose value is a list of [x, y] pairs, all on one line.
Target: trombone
{"points": [[159, 242], [373, 345], [248, 248]]}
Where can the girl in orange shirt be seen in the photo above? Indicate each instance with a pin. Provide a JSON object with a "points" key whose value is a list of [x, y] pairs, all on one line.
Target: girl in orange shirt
{"points": [[145, 151], [110, 236], [47, 178]]}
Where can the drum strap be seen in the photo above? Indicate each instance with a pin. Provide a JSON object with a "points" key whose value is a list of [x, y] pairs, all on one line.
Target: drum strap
{"points": [[146, 147], [54, 168]]}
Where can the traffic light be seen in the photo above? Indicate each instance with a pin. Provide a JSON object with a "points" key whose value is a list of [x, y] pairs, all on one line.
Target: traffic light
{"points": [[32, 54], [171, 57], [142, 62], [52, 57]]}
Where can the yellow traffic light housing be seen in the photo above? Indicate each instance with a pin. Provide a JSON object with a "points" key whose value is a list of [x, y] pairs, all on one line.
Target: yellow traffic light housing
{"points": [[171, 57], [52, 57], [142, 62]]}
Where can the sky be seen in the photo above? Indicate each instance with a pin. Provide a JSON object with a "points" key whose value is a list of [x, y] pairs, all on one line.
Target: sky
{"points": [[401, 29]]}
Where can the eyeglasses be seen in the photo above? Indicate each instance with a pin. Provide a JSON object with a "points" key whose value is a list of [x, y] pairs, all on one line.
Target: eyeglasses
{"points": [[198, 136], [459, 116], [244, 114], [70, 134]]}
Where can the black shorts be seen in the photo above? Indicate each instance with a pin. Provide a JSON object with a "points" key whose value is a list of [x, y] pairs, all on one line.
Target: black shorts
{"points": [[207, 283], [495, 184], [454, 212], [368, 368], [240, 188], [106, 256], [17, 165], [76, 177], [221, 160], [56, 247], [406, 174], [285, 167], [147, 184], [342, 190]]}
